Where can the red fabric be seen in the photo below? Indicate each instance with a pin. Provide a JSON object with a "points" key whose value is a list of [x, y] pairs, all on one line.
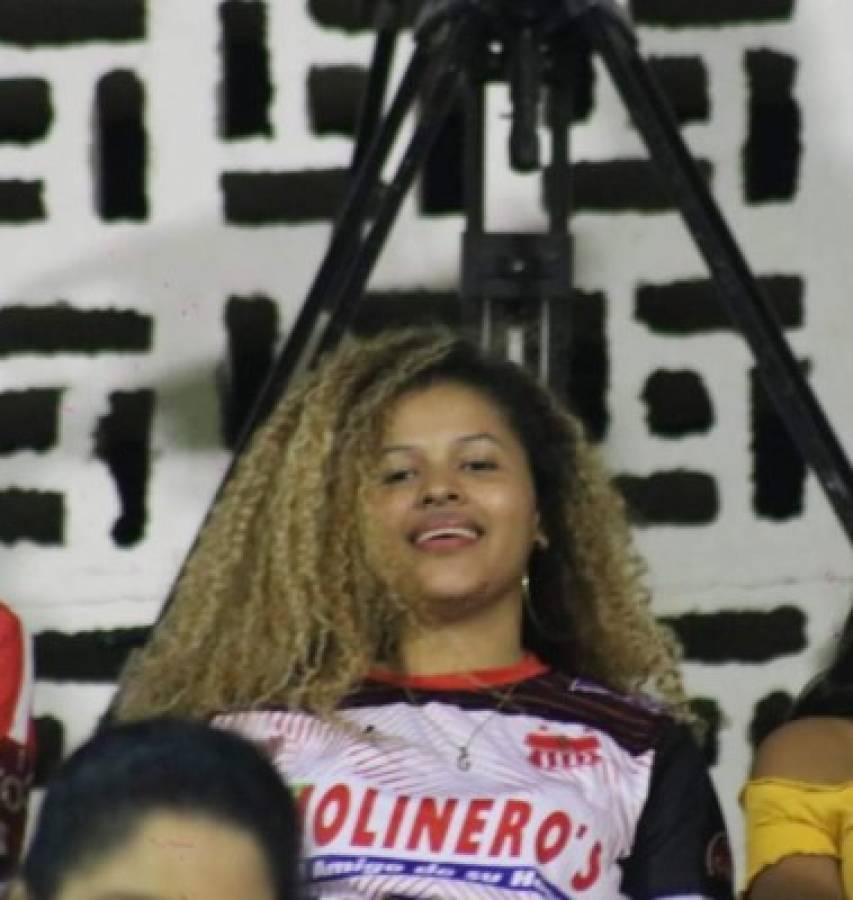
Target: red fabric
{"points": [[17, 737], [528, 667], [12, 671]]}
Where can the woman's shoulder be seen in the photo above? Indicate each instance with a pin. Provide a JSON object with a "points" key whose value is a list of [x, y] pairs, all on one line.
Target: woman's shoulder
{"points": [[635, 720], [813, 750]]}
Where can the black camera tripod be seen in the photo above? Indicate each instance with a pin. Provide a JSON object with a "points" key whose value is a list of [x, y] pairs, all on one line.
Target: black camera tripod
{"points": [[512, 280], [513, 284]]}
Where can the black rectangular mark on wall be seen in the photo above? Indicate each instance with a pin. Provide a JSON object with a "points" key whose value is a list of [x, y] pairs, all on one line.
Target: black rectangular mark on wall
{"points": [[246, 87], [676, 497], [778, 469], [589, 364], [694, 306], [622, 185], [743, 636], [334, 98], [348, 16], [121, 153], [684, 80], [772, 153], [252, 327], [267, 198], [37, 516], [677, 403], [692, 13], [442, 182], [29, 420], [85, 656], [122, 442], [21, 201], [64, 22], [26, 111], [62, 329]]}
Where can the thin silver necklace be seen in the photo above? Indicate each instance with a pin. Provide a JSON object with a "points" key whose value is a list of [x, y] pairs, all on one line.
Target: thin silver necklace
{"points": [[463, 751]]}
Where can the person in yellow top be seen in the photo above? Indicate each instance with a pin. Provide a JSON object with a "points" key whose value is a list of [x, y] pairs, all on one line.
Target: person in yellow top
{"points": [[799, 799]]}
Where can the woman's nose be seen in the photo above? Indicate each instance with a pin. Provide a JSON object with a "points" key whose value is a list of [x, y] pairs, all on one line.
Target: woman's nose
{"points": [[440, 488]]}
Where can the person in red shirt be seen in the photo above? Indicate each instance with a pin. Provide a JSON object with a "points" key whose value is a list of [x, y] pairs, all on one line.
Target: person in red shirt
{"points": [[17, 738]]}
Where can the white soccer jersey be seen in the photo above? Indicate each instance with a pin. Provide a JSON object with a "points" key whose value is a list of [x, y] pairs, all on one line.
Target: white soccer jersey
{"points": [[571, 792]]}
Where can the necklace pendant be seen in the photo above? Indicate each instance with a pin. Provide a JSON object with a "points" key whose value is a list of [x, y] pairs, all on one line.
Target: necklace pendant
{"points": [[463, 760]]}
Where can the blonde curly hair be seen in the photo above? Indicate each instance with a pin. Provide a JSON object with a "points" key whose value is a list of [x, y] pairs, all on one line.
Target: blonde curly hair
{"points": [[279, 603]]}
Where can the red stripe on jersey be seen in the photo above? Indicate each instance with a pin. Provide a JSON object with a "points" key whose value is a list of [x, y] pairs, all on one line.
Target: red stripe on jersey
{"points": [[528, 667]]}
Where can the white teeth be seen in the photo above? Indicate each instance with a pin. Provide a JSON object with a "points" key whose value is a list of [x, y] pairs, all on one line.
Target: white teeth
{"points": [[446, 533]]}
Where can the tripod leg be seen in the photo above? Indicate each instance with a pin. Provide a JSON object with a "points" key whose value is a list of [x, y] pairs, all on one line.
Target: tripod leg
{"points": [[476, 307], [310, 324], [444, 81], [556, 315], [739, 292], [379, 72]]}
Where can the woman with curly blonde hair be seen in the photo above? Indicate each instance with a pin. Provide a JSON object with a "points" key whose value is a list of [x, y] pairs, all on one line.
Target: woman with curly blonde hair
{"points": [[418, 591]]}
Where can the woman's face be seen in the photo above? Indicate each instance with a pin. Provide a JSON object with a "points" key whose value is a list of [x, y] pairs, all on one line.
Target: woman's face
{"points": [[454, 506], [174, 856]]}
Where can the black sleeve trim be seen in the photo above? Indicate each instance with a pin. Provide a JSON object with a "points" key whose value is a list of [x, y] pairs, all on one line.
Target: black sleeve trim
{"points": [[680, 847]]}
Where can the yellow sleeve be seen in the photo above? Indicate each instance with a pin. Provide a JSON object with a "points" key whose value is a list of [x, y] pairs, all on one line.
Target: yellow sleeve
{"points": [[784, 818]]}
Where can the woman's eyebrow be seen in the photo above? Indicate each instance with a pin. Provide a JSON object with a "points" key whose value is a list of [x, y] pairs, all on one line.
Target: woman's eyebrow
{"points": [[398, 448], [480, 436], [462, 439]]}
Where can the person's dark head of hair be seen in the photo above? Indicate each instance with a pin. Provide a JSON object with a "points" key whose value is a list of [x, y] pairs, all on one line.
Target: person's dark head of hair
{"points": [[546, 433], [103, 792], [831, 692]]}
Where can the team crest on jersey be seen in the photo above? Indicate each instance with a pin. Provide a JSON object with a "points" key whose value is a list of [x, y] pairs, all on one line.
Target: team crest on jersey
{"points": [[550, 751]]}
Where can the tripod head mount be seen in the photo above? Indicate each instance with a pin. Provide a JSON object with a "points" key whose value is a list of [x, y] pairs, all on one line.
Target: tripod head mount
{"points": [[505, 14], [515, 37]]}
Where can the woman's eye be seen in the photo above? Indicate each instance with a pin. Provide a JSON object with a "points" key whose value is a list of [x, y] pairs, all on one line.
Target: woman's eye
{"points": [[479, 465], [395, 476]]}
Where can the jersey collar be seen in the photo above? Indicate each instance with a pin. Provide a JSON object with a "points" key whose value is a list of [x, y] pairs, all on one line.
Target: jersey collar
{"points": [[527, 667]]}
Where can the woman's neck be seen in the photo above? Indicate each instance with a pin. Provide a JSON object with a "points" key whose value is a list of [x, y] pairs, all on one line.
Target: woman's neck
{"points": [[461, 646]]}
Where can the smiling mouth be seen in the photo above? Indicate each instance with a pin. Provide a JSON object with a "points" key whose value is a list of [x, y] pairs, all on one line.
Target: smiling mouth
{"points": [[446, 537]]}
